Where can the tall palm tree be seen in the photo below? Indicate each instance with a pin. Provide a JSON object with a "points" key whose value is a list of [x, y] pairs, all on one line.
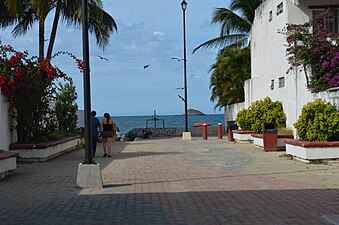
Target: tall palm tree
{"points": [[25, 13], [227, 78], [234, 28]]}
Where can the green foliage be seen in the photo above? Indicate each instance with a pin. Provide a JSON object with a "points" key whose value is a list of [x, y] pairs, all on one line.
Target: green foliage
{"points": [[56, 135], [319, 121], [243, 120], [316, 161], [284, 130], [130, 136], [229, 73], [66, 107], [259, 112], [287, 156]]}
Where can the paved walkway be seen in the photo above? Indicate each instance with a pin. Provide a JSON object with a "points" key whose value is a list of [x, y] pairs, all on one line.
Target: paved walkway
{"points": [[170, 181]]}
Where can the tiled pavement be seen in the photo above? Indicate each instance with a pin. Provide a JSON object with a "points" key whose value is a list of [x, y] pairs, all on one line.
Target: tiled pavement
{"points": [[169, 181]]}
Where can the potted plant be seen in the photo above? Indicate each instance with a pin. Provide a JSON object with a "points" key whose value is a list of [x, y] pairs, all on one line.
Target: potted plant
{"points": [[318, 132]]}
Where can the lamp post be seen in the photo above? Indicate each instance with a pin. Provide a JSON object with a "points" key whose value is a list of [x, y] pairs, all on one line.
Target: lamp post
{"points": [[184, 6], [87, 95]]}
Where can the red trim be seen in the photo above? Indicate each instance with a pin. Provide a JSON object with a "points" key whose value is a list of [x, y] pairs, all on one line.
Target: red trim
{"points": [[42, 145], [308, 144]]}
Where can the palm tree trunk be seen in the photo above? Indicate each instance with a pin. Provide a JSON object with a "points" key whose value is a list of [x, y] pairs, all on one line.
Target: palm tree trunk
{"points": [[41, 38], [54, 29]]}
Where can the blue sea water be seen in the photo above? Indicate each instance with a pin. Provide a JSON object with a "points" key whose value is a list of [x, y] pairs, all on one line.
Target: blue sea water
{"points": [[127, 123]]}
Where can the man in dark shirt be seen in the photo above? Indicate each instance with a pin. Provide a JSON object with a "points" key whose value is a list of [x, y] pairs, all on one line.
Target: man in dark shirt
{"points": [[95, 129]]}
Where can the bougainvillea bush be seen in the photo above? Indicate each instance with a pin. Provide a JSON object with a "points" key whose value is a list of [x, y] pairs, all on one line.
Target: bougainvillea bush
{"points": [[313, 47], [28, 86]]}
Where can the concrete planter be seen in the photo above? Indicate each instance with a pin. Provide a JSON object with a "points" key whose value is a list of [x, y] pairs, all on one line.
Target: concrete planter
{"points": [[45, 151], [7, 163], [258, 140], [312, 150], [243, 135]]}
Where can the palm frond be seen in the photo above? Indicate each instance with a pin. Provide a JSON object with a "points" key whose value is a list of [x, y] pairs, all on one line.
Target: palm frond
{"points": [[222, 41], [246, 8], [24, 23], [230, 22]]}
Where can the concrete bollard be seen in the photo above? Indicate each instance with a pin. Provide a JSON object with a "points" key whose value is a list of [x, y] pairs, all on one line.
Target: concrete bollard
{"points": [[219, 131], [204, 131]]}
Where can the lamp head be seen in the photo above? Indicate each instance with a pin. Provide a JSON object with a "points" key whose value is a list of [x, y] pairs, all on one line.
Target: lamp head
{"points": [[183, 5]]}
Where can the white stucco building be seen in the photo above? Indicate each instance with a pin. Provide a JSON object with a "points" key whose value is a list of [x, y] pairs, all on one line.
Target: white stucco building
{"points": [[269, 61]]}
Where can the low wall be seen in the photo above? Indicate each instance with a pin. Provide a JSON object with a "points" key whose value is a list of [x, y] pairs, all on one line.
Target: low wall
{"points": [[45, 151], [177, 131]]}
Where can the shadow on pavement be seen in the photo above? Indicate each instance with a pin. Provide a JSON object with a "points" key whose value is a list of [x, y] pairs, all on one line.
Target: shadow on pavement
{"points": [[305, 206]]}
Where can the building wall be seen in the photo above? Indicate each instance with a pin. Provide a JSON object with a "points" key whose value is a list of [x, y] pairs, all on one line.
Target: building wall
{"points": [[269, 60]]}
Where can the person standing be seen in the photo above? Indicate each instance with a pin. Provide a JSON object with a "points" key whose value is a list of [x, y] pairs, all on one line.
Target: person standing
{"points": [[107, 126], [95, 129]]}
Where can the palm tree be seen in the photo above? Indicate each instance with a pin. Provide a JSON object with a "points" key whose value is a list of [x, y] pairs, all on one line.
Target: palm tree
{"points": [[26, 12], [227, 79], [234, 28]]}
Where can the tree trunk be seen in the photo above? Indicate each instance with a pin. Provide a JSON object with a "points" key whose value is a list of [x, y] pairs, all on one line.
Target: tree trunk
{"points": [[41, 38], [54, 29]]}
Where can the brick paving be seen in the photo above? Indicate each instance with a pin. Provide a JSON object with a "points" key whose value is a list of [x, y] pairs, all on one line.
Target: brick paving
{"points": [[169, 181]]}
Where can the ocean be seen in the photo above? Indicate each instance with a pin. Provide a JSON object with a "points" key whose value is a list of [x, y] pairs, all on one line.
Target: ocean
{"points": [[127, 123]]}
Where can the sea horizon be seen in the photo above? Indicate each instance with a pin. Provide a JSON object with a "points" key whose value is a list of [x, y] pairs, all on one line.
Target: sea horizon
{"points": [[127, 123]]}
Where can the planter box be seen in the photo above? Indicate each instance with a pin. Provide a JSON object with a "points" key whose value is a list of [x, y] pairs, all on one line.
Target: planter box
{"points": [[45, 151], [7, 163], [312, 150], [243, 135], [259, 141]]}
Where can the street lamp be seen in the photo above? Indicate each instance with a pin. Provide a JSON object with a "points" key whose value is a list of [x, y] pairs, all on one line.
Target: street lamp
{"points": [[184, 6]]}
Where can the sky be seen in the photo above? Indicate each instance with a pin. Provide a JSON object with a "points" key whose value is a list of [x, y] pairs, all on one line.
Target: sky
{"points": [[149, 32]]}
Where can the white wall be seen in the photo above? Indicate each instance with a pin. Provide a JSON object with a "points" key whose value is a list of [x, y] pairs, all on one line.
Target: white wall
{"points": [[231, 111], [5, 125]]}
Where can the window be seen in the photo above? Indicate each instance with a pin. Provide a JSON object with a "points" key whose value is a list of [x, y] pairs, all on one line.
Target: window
{"points": [[270, 17], [279, 8], [281, 82], [333, 26], [272, 85]]}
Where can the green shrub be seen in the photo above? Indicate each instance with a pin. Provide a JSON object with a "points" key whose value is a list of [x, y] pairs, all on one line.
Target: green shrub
{"points": [[319, 121], [242, 120], [259, 112]]}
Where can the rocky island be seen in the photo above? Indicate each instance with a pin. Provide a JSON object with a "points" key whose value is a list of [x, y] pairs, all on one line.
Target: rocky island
{"points": [[194, 112]]}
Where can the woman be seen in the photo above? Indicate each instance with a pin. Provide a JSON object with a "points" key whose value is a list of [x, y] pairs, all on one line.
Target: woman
{"points": [[107, 126]]}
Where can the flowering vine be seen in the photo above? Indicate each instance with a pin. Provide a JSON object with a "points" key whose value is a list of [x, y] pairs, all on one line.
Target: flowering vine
{"points": [[313, 47]]}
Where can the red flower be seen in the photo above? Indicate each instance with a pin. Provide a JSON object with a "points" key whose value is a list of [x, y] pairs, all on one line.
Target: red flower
{"points": [[13, 60]]}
